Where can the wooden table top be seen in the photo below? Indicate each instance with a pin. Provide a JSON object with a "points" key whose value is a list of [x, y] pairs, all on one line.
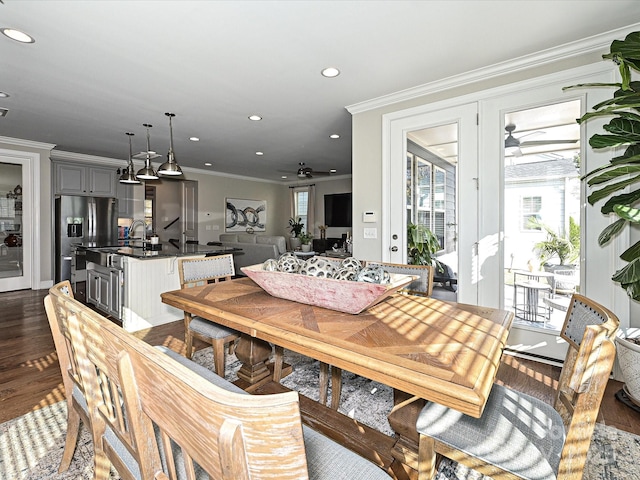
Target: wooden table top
{"points": [[444, 352]]}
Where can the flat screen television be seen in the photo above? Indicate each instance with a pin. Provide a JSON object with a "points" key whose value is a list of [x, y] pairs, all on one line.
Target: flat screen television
{"points": [[337, 210]]}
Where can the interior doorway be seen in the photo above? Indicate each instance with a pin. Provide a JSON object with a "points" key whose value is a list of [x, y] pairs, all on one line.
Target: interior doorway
{"points": [[15, 224]]}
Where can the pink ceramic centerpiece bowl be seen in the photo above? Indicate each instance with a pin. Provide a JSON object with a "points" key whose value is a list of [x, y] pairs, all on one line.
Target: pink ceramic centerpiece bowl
{"points": [[341, 295]]}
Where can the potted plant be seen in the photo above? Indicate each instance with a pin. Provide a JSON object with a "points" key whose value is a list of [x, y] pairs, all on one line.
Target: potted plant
{"points": [[305, 240], [609, 182], [296, 227], [422, 245], [566, 248]]}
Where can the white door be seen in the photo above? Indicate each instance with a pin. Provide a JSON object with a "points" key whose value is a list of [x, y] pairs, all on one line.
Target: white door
{"points": [[15, 223], [452, 142]]}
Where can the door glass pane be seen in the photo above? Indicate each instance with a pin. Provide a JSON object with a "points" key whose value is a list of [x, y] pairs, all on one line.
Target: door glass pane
{"points": [[542, 212], [432, 163], [11, 221]]}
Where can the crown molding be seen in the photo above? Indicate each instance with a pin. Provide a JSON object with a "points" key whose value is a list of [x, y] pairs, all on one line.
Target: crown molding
{"points": [[19, 142], [62, 155], [568, 50]]}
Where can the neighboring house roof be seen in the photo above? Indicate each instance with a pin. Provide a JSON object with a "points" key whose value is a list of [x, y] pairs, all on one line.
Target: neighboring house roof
{"points": [[562, 168]]}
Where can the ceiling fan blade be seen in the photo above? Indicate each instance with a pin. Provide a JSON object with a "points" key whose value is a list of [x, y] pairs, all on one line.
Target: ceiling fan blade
{"points": [[533, 143]]}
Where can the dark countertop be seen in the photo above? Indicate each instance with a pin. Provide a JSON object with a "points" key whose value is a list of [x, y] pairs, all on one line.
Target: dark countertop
{"points": [[134, 249]]}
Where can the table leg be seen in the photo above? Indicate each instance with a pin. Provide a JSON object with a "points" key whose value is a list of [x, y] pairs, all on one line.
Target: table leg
{"points": [[254, 354]]}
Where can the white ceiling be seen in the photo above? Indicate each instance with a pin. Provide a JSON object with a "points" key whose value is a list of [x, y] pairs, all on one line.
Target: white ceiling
{"points": [[101, 68]]}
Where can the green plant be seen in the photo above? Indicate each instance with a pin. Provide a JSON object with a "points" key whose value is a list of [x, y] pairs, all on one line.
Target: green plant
{"points": [[422, 245], [296, 226], [305, 238], [566, 247], [623, 130]]}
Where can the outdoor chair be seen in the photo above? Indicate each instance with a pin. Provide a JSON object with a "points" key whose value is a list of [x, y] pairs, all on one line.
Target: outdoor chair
{"points": [[519, 436]]}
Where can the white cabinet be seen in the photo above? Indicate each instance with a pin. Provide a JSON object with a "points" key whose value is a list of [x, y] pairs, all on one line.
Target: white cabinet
{"points": [[77, 179], [124, 194], [105, 289]]}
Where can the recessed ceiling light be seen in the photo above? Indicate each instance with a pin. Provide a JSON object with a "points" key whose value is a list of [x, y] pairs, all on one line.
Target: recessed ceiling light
{"points": [[283, 176], [17, 35], [207, 164], [333, 170], [335, 135], [259, 153], [255, 118], [194, 139], [4, 95], [330, 72]]}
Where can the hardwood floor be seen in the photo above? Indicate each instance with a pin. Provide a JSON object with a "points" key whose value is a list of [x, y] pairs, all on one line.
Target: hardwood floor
{"points": [[30, 376]]}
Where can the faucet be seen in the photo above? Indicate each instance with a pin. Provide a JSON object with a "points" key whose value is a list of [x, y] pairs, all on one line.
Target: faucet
{"points": [[134, 224]]}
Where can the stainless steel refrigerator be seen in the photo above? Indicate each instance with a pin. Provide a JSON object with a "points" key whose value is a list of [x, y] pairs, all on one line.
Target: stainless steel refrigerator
{"points": [[82, 221]]}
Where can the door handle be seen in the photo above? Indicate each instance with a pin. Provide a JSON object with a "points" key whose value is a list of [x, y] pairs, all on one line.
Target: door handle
{"points": [[394, 249]]}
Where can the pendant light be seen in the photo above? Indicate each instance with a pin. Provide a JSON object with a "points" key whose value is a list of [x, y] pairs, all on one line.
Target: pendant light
{"points": [[170, 167], [147, 172], [128, 177]]}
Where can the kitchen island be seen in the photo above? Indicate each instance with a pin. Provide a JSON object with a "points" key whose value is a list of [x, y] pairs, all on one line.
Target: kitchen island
{"points": [[126, 281]]}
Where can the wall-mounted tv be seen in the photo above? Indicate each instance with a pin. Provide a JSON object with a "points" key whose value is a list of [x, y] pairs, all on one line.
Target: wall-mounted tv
{"points": [[337, 210]]}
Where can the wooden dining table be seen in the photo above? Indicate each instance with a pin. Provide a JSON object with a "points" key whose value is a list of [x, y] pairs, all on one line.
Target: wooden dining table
{"points": [[439, 351]]}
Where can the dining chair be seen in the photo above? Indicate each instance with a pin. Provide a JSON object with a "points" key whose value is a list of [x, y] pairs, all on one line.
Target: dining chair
{"points": [[76, 403], [422, 286], [153, 417], [115, 440], [200, 271], [519, 436], [222, 431]]}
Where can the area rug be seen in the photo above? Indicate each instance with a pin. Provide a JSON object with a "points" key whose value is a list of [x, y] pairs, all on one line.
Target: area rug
{"points": [[31, 446]]}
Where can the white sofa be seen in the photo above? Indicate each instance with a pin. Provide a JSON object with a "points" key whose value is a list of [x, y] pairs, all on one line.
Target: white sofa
{"points": [[256, 248]]}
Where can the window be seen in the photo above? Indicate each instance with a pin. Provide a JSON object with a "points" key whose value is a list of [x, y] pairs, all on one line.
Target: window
{"points": [[426, 195], [301, 205], [530, 208]]}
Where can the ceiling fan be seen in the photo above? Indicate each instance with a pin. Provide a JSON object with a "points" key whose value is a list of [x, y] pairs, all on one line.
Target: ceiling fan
{"points": [[515, 144], [308, 172]]}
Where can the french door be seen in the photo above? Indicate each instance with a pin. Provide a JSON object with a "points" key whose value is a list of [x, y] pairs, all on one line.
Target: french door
{"points": [[15, 223], [433, 181]]}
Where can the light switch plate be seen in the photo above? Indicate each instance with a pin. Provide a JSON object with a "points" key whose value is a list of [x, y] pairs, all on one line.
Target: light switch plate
{"points": [[370, 233]]}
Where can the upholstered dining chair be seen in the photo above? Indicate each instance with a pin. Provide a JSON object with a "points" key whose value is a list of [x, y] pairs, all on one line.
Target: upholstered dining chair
{"points": [[519, 436], [422, 285], [113, 439], [222, 430], [76, 403], [177, 421], [200, 271]]}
